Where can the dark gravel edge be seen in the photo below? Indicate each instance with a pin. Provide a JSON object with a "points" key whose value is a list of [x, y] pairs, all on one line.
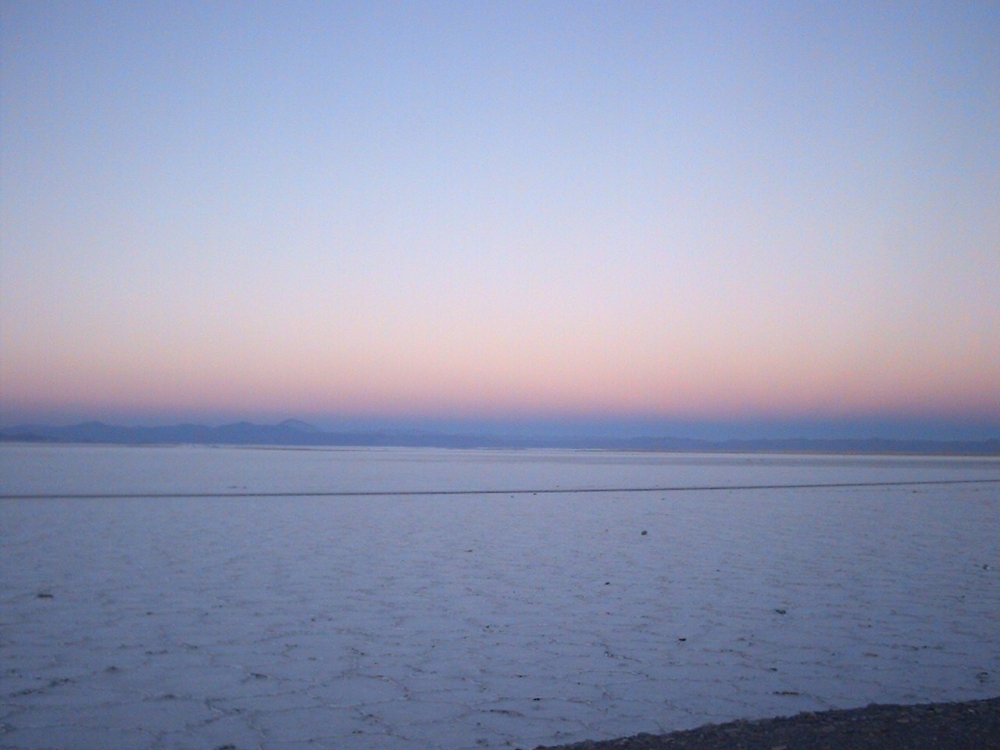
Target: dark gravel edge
{"points": [[970, 725]]}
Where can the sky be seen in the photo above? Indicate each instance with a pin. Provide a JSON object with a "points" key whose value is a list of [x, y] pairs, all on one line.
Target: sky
{"points": [[717, 219]]}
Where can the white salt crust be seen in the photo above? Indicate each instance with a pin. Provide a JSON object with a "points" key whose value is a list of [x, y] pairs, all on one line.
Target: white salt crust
{"points": [[467, 621]]}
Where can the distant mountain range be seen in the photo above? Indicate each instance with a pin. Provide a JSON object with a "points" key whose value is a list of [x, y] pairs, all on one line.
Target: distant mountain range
{"points": [[293, 432]]}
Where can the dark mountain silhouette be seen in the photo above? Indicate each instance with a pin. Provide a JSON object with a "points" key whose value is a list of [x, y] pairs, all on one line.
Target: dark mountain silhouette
{"points": [[299, 426], [293, 432]]}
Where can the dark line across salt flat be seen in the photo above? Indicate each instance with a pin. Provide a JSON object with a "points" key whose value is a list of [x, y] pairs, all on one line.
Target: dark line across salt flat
{"points": [[542, 491]]}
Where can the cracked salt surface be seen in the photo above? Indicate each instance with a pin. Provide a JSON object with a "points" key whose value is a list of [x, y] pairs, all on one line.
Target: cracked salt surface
{"points": [[466, 621]]}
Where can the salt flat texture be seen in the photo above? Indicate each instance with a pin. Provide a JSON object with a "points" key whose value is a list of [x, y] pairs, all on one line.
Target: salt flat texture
{"points": [[466, 621]]}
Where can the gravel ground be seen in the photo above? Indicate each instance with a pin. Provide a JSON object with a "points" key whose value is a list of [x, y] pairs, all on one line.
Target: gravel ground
{"points": [[973, 725]]}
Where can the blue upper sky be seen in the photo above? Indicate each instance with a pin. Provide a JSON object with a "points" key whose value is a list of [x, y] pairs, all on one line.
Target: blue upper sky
{"points": [[697, 216]]}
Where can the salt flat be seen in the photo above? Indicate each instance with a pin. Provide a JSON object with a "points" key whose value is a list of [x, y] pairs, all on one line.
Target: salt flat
{"points": [[471, 620]]}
